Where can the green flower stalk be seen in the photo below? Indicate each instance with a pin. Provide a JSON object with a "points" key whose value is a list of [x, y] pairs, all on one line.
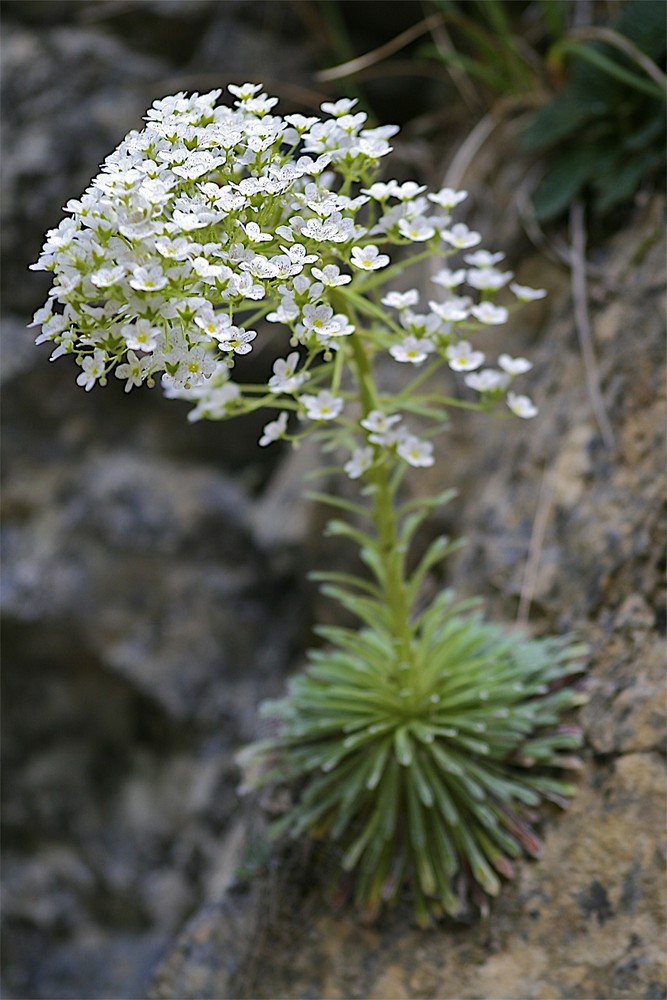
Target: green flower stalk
{"points": [[422, 742]]}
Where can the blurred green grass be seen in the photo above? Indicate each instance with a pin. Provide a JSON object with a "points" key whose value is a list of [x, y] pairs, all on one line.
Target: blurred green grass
{"points": [[591, 75]]}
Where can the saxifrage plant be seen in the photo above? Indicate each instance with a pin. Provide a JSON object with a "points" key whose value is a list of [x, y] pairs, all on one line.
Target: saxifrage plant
{"points": [[422, 742]]}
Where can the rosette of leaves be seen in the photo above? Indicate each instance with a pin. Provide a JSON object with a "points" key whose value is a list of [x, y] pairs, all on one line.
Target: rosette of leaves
{"points": [[425, 773]]}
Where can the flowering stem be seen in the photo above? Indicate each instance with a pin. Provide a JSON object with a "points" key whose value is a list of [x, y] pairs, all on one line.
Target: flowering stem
{"points": [[364, 305], [423, 376], [384, 276], [390, 549], [461, 404], [380, 733]]}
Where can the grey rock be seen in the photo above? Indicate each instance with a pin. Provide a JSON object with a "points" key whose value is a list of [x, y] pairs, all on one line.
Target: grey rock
{"points": [[52, 134]]}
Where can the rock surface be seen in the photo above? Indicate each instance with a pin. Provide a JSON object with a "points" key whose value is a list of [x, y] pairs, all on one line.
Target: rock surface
{"points": [[152, 595], [141, 620]]}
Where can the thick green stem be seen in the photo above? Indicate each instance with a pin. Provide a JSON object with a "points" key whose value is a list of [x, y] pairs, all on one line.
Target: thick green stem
{"points": [[391, 551]]}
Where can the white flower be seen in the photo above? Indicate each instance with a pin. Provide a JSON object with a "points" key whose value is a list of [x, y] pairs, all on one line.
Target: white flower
{"points": [[287, 265], [488, 380], [381, 192], [447, 198], [381, 426], [194, 367], [460, 236], [67, 283], [140, 336], [259, 106], [352, 123], [449, 279], [66, 346], [243, 285], [216, 398], [156, 191], [298, 255], [324, 406], [514, 366], [409, 190], [401, 300], [51, 327], [62, 237], [322, 322], [319, 319], [148, 279], [274, 430], [483, 258], [255, 234], [284, 378], [215, 325], [373, 141], [415, 451], [197, 164], [462, 358], [178, 249], [286, 312], [420, 324], [206, 270], [236, 339], [93, 369], [492, 315], [341, 327], [107, 276], [330, 275], [521, 406], [302, 285], [362, 459], [453, 310], [368, 258], [339, 108], [226, 198], [526, 294], [412, 349], [134, 370], [261, 267], [192, 218], [334, 229], [418, 230], [488, 279], [245, 91], [301, 122], [42, 315]]}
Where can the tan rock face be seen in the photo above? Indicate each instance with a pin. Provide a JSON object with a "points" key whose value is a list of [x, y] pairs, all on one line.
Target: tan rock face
{"points": [[587, 919]]}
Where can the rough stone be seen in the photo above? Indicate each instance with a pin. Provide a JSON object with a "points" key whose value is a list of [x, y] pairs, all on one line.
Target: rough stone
{"points": [[141, 620], [149, 604]]}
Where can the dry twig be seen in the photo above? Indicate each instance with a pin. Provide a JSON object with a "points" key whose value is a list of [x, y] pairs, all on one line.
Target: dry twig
{"points": [[529, 582], [581, 319], [377, 55]]}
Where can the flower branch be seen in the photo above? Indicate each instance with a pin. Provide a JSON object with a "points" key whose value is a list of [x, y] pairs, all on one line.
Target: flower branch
{"points": [[420, 742]]}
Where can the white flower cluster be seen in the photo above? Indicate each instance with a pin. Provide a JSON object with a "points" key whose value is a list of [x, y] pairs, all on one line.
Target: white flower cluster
{"points": [[383, 430], [214, 219]]}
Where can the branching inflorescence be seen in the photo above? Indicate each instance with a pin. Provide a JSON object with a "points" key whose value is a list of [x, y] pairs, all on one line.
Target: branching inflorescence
{"points": [[422, 742]]}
